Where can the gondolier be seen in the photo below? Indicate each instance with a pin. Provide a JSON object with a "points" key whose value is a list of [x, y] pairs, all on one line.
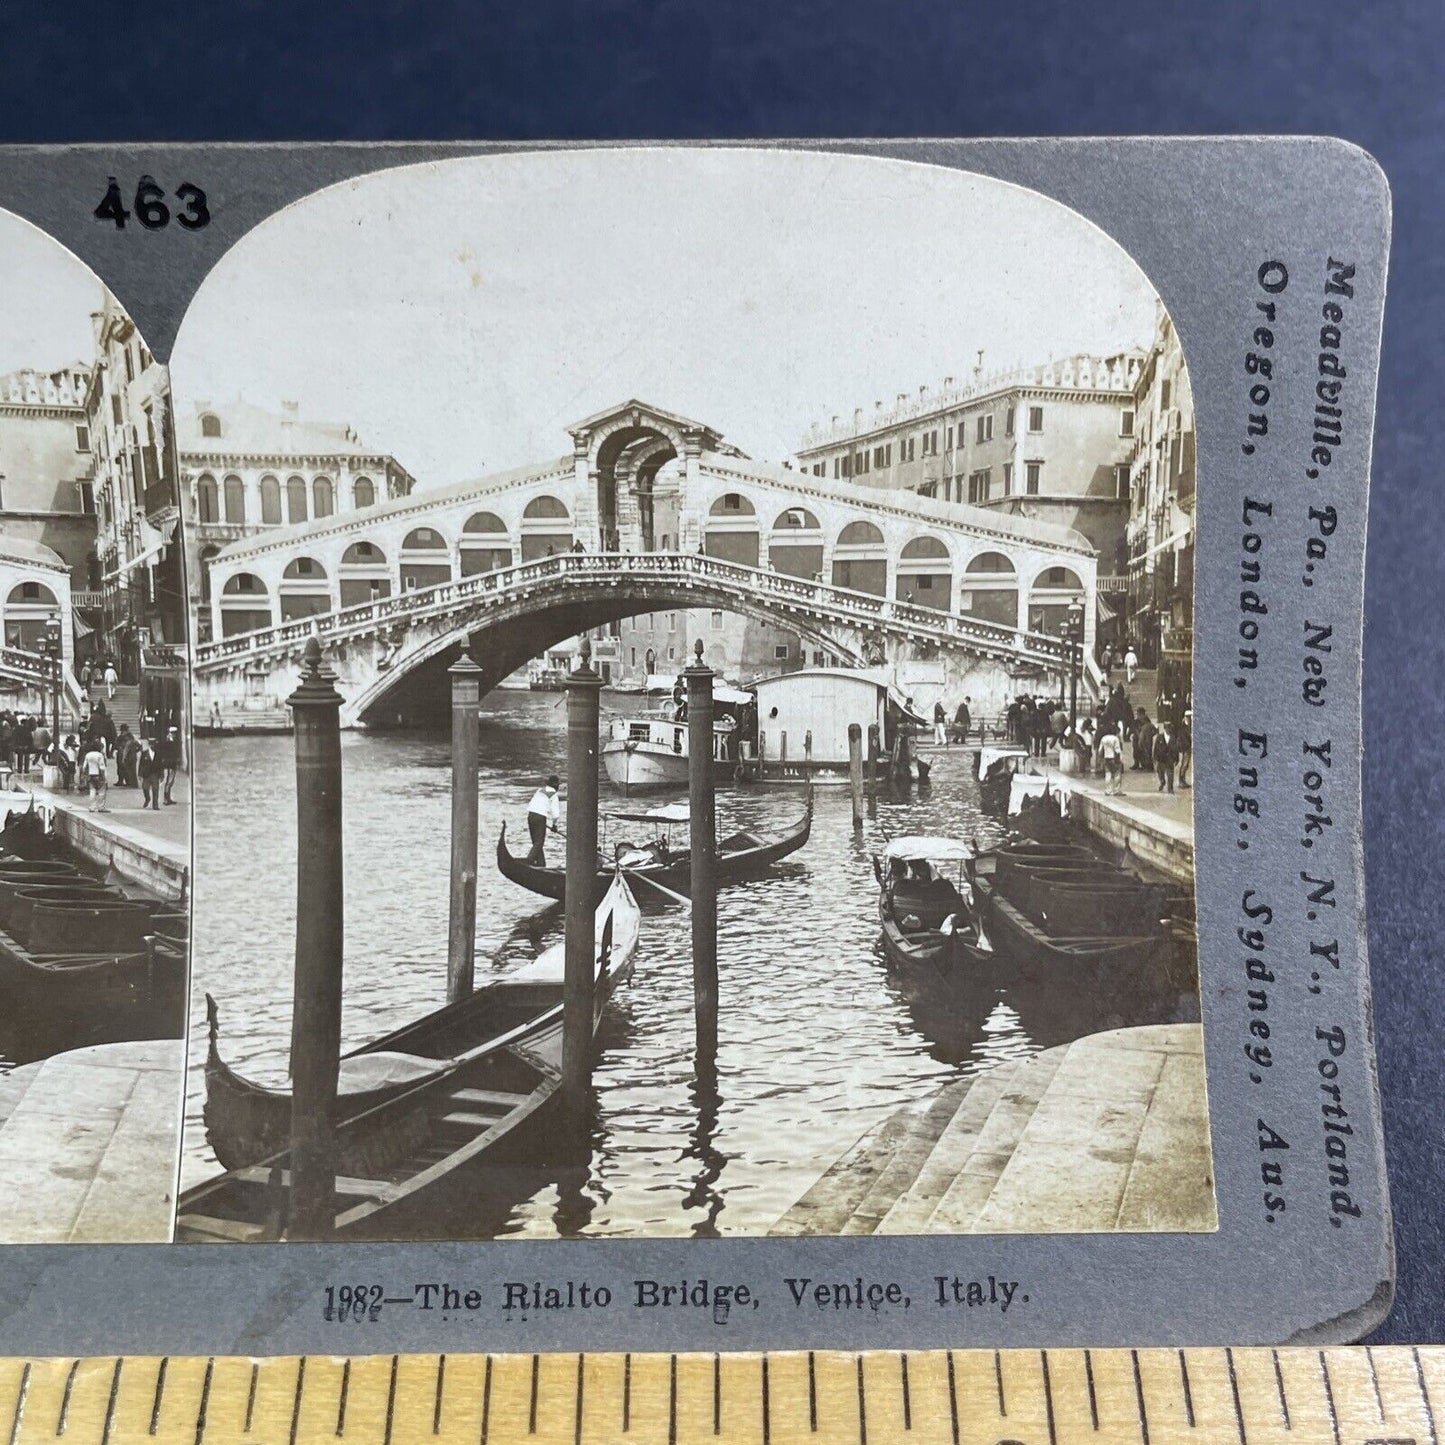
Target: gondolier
{"points": [[543, 812]]}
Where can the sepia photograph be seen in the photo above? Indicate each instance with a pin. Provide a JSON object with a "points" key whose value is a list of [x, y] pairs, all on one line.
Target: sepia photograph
{"points": [[95, 819], [692, 695]]}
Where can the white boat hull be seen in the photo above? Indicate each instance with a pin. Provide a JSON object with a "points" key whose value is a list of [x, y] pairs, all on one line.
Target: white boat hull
{"points": [[632, 765]]}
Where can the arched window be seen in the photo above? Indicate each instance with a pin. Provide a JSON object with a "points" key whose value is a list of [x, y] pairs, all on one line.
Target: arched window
{"points": [[732, 504], [207, 553], [27, 611], [796, 519], [234, 496], [210, 425], [295, 500], [31, 594], [424, 559], [305, 591], [363, 493], [795, 546], [545, 507], [860, 534], [208, 502], [994, 563], [304, 569], [924, 548], [1049, 598], [271, 501], [323, 497]]}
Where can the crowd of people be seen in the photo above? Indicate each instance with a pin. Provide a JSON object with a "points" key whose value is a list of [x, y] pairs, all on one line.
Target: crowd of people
{"points": [[1161, 745], [81, 759]]}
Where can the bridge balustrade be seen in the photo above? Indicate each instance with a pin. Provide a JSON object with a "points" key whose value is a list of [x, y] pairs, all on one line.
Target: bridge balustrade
{"points": [[839, 604]]}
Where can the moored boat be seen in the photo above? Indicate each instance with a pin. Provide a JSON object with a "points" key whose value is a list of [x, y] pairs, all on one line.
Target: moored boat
{"points": [[418, 1110], [742, 854], [927, 918]]}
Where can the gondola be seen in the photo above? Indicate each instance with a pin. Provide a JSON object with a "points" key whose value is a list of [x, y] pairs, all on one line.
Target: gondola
{"points": [[24, 835], [739, 855], [419, 1110], [930, 924], [1108, 966]]}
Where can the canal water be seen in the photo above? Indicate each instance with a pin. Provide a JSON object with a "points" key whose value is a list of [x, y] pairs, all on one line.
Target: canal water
{"points": [[819, 1039]]}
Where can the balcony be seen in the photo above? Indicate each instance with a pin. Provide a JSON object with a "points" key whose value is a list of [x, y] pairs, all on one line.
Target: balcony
{"points": [[160, 502]]}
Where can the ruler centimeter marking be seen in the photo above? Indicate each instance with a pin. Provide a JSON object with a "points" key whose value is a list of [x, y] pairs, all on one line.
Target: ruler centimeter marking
{"points": [[1339, 1396]]}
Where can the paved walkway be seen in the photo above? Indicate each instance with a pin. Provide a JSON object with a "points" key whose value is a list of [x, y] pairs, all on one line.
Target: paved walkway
{"points": [[1172, 813], [88, 1145], [165, 831], [1108, 1133]]}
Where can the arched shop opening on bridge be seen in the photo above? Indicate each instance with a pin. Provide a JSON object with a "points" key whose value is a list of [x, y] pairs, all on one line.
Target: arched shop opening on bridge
{"points": [[925, 574], [305, 589], [29, 606], [485, 544], [1049, 599], [990, 590], [245, 604], [426, 559], [365, 575], [860, 559], [732, 530], [795, 545], [546, 528]]}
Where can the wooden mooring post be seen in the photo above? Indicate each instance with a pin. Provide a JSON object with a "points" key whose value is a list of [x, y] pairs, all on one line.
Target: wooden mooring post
{"points": [[580, 971], [466, 679], [316, 1011], [702, 813], [855, 772], [875, 746]]}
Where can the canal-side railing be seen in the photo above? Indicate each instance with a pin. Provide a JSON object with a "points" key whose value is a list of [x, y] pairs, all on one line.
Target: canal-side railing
{"points": [[820, 600]]}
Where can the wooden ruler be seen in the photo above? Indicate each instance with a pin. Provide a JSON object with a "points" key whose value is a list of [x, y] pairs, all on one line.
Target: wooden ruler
{"points": [[1342, 1396]]}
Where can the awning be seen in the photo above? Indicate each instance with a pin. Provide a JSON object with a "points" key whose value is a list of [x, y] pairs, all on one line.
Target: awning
{"points": [[929, 849], [669, 813], [1102, 611]]}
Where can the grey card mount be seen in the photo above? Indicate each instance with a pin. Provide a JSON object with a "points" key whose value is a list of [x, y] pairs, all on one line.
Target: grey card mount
{"points": [[686, 746]]}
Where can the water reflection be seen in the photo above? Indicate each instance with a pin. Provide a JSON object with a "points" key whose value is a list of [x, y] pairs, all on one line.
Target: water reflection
{"points": [[819, 1040]]}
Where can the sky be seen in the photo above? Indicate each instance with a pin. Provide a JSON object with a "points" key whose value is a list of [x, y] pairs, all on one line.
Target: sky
{"points": [[461, 314], [46, 297]]}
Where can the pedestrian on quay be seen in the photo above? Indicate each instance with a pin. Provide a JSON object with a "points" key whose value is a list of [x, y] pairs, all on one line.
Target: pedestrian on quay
{"points": [[22, 743], [1184, 737], [87, 672], [1131, 663], [149, 769], [1143, 742], [92, 769], [126, 749], [112, 677], [963, 720], [1106, 661], [62, 758], [1166, 754], [168, 750], [544, 812], [940, 724], [1012, 714], [102, 726], [40, 740], [1111, 750]]}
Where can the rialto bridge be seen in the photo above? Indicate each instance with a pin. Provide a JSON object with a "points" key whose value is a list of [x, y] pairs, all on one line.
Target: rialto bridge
{"points": [[649, 512]]}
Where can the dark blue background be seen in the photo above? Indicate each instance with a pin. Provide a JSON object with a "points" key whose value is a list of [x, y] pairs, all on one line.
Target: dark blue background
{"points": [[1371, 73]]}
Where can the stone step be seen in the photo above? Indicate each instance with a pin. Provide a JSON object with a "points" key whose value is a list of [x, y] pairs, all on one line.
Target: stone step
{"points": [[911, 1211], [991, 1148], [1078, 1145], [908, 1158], [829, 1204]]}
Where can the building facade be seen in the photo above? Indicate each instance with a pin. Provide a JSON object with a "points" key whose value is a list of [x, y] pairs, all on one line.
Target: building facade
{"points": [[247, 470], [1160, 613], [137, 503], [1051, 442]]}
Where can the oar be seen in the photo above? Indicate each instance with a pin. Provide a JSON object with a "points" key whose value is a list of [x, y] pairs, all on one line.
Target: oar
{"points": [[661, 888]]}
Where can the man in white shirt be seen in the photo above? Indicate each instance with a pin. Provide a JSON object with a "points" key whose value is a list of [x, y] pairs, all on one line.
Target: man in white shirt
{"points": [[543, 812], [92, 772], [1111, 750]]}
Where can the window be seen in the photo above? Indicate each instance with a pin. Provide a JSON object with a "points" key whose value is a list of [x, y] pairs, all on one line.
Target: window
{"points": [[1008, 422], [235, 499], [363, 493], [295, 500], [1164, 392], [978, 486], [1036, 418], [925, 583], [207, 509], [1032, 472], [837, 466], [950, 439], [732, 502], [817, 659], [1008, 479], [1126, 421], [1121, 480], [984, 428], [672, 654], [717, 622], [271, 501], [780, 652], [82, 438], [634, 657], [305, 567], [210, 425], [671, 625]]}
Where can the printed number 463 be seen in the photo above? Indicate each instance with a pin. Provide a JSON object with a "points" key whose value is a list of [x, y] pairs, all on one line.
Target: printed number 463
{"points": [[149, 206]]}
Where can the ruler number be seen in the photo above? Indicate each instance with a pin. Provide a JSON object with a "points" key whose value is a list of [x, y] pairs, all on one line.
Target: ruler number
{"points": [[148, 206]]}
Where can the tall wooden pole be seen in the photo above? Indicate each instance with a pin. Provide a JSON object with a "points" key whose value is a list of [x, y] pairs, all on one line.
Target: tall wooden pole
{"points": [[855, 772], [316, 1011], [703, 816], [583, 705], [466, 679]]}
